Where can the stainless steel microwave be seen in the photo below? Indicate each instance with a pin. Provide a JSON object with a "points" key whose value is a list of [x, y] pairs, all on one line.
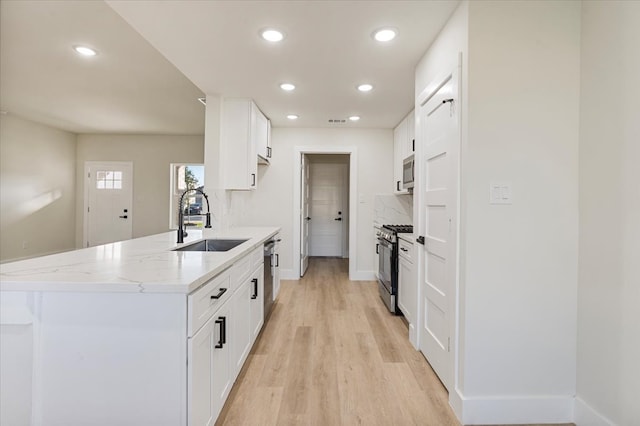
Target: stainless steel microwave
{"points": [[408, 172]]}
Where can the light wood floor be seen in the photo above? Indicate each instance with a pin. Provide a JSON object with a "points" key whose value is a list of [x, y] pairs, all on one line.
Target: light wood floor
{"points": [[331, 354]]}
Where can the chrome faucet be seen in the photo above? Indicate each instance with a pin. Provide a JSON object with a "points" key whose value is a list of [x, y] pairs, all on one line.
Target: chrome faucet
{"points": [[183, 232]]}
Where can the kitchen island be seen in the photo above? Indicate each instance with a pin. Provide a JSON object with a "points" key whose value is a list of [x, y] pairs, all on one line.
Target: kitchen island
{"points": [[129, 333]]}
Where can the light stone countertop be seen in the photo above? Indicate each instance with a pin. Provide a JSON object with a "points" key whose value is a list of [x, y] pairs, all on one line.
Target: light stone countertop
{"points": [[141, 265]]}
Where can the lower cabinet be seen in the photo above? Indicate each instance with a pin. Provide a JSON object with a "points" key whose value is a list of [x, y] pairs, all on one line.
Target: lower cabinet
{"points": [[257, 303], [407, 288], [218, 350], [241, 344], [209, 375]]}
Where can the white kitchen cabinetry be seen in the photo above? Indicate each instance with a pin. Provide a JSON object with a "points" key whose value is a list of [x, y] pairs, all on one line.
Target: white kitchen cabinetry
{"points": [[407, 286], [275, 266], [245, 130], [403, 146], [228, 306], [241, 328], [257, 303], [264, 139]]}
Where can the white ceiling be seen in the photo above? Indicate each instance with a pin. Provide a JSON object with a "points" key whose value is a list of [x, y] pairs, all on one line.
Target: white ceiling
{"points": [[131, 88]]}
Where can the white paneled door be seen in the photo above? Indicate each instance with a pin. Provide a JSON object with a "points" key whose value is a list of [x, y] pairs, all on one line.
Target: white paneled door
{"points": [[108, 202], [304, 214], [327, 188], [440, 141]]}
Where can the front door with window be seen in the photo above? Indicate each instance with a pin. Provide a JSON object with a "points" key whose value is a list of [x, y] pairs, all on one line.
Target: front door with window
{"points": [[108, 202]]}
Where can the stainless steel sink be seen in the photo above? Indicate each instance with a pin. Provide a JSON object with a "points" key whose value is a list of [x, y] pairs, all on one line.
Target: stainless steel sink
{"points": [[211, 245]]}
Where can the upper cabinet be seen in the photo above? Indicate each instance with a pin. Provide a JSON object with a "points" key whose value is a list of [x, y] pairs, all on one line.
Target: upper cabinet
{"points": [[245, 137], [263, 125], [403, 147]]}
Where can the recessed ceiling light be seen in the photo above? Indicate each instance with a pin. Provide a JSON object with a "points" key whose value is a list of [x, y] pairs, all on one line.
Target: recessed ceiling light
{"points": [[85, 51], [287, 86], [354, 118], [272, 35], [292, 117], [365, 87], [384, 34]]}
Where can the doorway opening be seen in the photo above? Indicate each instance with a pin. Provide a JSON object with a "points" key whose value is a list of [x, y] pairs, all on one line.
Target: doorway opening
{"points": [[328, 218], [325, 185]]}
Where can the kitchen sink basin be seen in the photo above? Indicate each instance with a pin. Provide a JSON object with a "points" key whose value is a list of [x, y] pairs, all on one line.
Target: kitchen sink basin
{"points": [[212, 245]]}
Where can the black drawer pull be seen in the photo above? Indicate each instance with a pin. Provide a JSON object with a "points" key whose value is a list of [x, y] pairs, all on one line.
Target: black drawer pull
{"points": [[222, 321], [217, 296], [255, 288]]}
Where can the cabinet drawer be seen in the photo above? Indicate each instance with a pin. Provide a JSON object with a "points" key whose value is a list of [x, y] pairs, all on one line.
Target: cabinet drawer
{"points": [[257, 257], [405, 249], [203, 303], [241, 271]]}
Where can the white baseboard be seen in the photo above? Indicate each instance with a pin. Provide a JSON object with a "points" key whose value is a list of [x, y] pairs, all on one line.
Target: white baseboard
{"points": [[288, 274], [585, 415], [363, 276], [510, 410]]}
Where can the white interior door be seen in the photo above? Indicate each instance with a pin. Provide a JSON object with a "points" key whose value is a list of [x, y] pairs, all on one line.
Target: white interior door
{"points": [[440, 140], [326, 209], [304, 215], [108, 202]]}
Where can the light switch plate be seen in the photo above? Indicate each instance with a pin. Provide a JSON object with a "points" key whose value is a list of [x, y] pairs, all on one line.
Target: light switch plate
{"points": [[500, 193]]}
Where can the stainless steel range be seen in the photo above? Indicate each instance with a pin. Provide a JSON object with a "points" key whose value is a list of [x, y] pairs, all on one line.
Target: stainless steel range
{"points": [[387, 249]]}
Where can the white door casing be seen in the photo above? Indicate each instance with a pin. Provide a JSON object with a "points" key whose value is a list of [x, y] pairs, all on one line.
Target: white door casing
{"points": [[354, 196], [304, 214], [438, 221], [108, 202], [326, 209]]}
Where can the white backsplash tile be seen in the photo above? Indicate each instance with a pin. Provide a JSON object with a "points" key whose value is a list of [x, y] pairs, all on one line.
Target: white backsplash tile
{"points": [[390, 209]]}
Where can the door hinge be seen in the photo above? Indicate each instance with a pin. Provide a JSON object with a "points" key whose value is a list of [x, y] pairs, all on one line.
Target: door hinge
{"points": [[448, 344], [89, 175], [88, 209]]}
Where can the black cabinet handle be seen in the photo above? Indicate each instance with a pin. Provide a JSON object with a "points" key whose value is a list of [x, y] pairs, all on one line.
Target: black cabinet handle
{"points": [[277, 260], [377, 246], [338, 218], [222, 321], [413, 145], [222, 291], [253, 179], [255, 288], [268, 152], [398, 185], [123, 217], [403, 249], [420, 240], [308, 218]]}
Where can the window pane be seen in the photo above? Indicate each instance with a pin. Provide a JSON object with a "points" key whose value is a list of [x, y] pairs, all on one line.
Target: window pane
{"points": [[109, 184], [117, 184], [117, 175], [100, 175], [100, 184]]}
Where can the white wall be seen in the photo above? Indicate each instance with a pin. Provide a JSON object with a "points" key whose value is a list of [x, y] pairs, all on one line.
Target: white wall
{"points": [[521, 259], [151, 156], [37, 189], [272, 203], [518, 270], [609, 273]]}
